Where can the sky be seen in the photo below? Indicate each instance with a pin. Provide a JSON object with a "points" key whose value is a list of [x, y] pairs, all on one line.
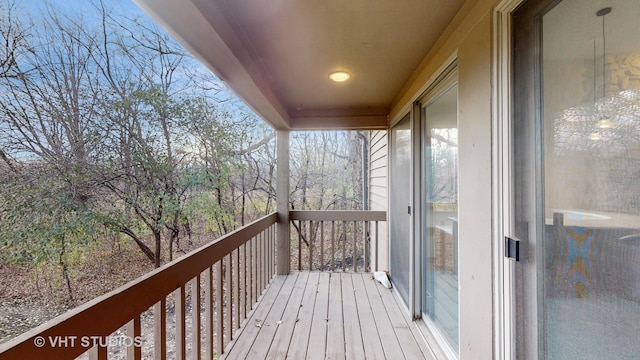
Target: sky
{"points": [[79, 6], [87, 9]]}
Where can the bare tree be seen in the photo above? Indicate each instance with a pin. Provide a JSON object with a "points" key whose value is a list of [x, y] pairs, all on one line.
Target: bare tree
{"points": [[105, 115], [13, 38], [107, 124]]}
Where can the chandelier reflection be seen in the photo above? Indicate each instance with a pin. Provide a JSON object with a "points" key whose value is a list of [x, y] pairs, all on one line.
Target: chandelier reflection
{"points": [[585, 128], [610, 124]]}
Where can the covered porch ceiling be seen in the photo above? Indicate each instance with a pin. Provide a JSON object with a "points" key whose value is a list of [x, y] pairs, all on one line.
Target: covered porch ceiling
{"points": [[276, 55]]}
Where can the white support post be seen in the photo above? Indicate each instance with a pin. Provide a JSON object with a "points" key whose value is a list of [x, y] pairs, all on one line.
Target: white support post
{"points": [[282, 199]]}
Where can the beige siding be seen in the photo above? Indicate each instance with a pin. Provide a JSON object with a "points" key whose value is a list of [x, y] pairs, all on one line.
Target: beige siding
{"points": [[474, 212], [468, 38], [378, 195]]}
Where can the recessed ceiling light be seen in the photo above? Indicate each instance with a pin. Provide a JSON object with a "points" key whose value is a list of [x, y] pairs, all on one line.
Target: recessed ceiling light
{"points": [[339, 76]]}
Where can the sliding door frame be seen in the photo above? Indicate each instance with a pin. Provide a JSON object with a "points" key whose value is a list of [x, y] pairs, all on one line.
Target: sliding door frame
{"points": [[447, 78], [504, 294]]}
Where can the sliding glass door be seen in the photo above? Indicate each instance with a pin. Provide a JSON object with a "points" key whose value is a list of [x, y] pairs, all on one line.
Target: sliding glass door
{"points": [[577, 171], [399, 207], [440, 213]]}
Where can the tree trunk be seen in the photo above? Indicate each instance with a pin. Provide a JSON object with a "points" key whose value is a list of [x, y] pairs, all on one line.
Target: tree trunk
{"points": [[65, 271], [145, 249], [244, 200], [157, 235]]}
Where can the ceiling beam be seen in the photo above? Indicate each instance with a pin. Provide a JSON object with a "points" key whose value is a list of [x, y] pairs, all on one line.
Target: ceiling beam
{"points": [[340, 112], [371, 122], [365, 118]]}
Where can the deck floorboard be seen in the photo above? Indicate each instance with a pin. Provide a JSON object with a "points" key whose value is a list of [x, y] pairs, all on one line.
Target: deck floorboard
{"points": [[368, 326], [324, 315], [335, 323], [316, 348], [302, 330]]}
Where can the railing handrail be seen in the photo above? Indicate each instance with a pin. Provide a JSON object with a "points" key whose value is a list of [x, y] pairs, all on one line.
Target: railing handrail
{"points": [[338, 215], [107, 313], [356, 230]]}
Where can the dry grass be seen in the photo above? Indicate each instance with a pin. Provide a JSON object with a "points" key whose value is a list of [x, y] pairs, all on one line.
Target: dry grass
{"points": [[30, 296]]}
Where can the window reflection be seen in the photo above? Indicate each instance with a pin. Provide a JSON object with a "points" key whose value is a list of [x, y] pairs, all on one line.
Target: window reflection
{"points": [[440, 245], [591, 114]]}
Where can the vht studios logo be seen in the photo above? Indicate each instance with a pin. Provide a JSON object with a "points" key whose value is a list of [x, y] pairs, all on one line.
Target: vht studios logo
{"points": [[87, 341]]}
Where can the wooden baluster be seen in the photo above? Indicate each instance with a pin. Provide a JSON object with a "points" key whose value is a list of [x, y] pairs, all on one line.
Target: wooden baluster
{"points": [[158, 285], [366, 247], [344, 246], [209, 350], [376, 249], [98, 353], [300, 232], [220, 307], [267, 233], [333, 246], [321, 245], [196, 332], [160, 330], [269, 255], [236, 295], [244, 280], [310, 245], [254, 264], [255, 267], [181, 334], [274, 259], [247, 268], [260, 265], [134, 352], [273, 246], [251, 273], [229, 297], [263, 256], [265, 266], [355, 246], [263, 262]]}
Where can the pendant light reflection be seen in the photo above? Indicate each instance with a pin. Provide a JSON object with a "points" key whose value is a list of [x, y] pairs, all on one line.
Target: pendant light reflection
{"points": [[604, 121]]}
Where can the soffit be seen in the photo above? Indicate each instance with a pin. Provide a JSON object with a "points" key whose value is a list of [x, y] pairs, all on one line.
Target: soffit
{"points": [[279, 53]]}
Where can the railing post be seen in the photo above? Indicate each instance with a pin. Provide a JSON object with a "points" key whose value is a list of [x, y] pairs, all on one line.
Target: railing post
{"points": [[98, 352], [160, 329], [134, 352], [282, 200]]}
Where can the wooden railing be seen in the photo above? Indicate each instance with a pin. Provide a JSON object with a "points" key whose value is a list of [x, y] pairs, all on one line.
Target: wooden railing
{"points": [[193, 306], [217, 285], [334, 240]]}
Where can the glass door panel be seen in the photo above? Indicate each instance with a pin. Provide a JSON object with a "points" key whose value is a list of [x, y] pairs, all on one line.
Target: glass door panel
{"points": [[400, 200], [440, 209], [584, 159]]}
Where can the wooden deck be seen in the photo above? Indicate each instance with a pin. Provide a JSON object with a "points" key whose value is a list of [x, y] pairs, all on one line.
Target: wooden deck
{"points": [[324, 315]]}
